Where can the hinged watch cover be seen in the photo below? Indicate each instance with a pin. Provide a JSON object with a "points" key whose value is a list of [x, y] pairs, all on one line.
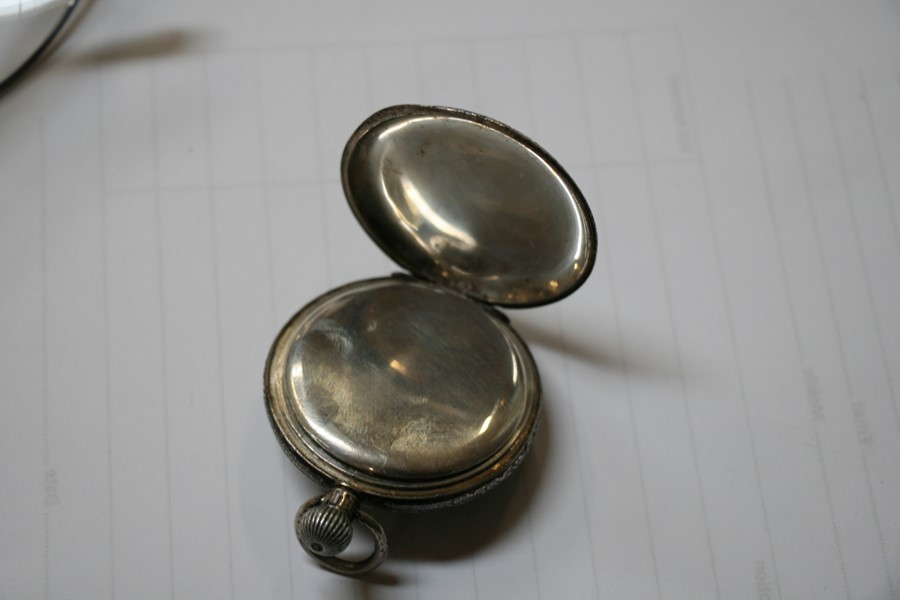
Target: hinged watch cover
{"points": [[413, 392]]}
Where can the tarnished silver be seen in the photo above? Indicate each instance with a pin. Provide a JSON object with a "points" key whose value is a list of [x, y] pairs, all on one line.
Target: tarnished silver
{"points": [[467, 202], [324, 527], [412, 392]]}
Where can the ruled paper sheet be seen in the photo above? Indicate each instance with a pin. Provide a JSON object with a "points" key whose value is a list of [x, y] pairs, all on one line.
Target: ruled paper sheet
{"points": [[721, 414]]}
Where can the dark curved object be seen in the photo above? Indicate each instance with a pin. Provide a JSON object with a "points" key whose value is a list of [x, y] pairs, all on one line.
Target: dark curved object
{"points": [[39, 52]]}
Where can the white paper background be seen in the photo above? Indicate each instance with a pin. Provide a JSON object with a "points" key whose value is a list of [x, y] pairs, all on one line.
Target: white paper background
{"points": [[721, 412]]}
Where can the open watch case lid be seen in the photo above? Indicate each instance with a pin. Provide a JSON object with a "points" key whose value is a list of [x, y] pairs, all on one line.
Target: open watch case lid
{"points": [[411, 392], [469, 203]]}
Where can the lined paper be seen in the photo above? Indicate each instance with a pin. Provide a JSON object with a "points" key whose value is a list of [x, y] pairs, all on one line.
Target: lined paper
{"points": [[721, 414]]}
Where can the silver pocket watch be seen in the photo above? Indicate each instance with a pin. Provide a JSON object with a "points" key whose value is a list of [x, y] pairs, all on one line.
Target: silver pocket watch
{"points": [[412, 391]]}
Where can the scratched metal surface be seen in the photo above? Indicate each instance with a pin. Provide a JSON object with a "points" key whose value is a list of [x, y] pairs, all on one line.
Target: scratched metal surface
{"points": [[720, 397]]}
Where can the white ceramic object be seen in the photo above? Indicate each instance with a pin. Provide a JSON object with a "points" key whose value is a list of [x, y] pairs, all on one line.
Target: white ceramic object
{"points": [[24, 25]]}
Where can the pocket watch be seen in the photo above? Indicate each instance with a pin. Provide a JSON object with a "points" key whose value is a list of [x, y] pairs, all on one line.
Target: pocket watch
{"points": [[412, 391]]}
